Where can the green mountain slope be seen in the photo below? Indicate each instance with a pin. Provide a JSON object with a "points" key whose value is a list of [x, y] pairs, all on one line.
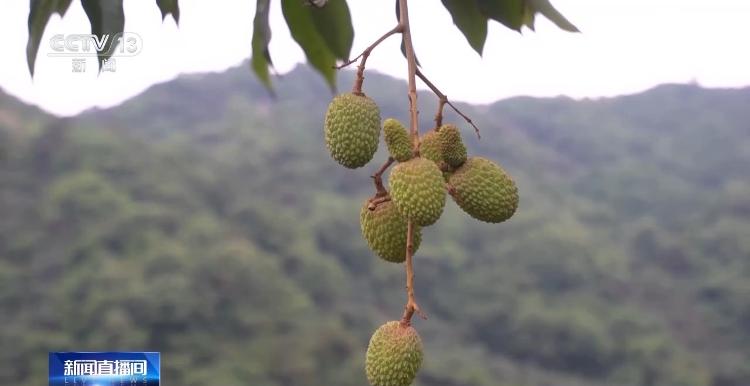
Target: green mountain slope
{"points": [[205, 220]]}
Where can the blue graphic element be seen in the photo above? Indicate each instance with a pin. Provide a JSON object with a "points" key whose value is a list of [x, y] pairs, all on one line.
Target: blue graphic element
{"points": [[104, 368]]}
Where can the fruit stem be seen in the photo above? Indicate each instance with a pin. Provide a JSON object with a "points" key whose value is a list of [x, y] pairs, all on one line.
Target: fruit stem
{"points": [[411, 302], [378, 178], [443, 100], [357, 88], [375, 201]]}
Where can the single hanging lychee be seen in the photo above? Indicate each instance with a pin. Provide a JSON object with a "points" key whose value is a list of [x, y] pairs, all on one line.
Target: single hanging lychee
{"points": [[418, 190], [430, 147], [451, 145], [384, 229], [484, 190], [394, 355], [397, 140], [352, 129]]}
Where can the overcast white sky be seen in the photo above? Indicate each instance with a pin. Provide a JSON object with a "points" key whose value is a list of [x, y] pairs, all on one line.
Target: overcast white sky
{"points": [[626, 46]]}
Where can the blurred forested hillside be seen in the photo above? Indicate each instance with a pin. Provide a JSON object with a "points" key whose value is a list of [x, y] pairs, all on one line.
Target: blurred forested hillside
{"points": [[205, 220]]}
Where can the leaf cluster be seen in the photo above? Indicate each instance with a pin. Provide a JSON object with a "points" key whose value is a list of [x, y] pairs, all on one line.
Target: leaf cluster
{"points": [[324, 33]]}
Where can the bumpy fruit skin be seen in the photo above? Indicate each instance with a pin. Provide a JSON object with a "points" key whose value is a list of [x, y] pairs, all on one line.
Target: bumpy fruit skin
{"points": [[394, 355], [451, 145], [418, 190], [430, 146], [352, 129], [384, 229], [484, 190], [397, 140]]}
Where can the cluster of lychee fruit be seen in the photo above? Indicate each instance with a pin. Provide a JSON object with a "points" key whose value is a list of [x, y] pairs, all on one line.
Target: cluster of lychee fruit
{"points": [[417, 191]]}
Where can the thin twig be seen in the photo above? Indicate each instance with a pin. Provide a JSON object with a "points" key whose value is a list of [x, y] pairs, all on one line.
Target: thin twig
{"points": [[444, 99], [439, 113], [357, 88], [397, 29], [411, 303], [378, 178]]}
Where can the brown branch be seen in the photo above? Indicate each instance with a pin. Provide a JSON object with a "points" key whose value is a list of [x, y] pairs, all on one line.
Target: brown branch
{"points": [[411, 303], [439, 113], [357, 88], [444, 100], [378, 178], [412, 68]]}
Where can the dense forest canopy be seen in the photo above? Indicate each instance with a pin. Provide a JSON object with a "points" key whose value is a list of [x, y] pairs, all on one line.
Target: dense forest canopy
{"points": [[201, 219]]}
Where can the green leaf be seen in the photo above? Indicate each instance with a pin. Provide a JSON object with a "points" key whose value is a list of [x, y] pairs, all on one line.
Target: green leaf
{"points": [[302, 27], [529, 15], [169, 7], [39, 13], [334, 24], [107, 19], [545, 8], [470, 21], [261, 58], [508, 12]]}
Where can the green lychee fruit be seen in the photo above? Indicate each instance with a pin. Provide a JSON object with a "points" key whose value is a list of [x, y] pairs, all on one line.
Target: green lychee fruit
{"points": [[384, 229], [484, 190], [352, 129], [430, 146], [394, 355], [418, 190], [451, 145], [397, 140]]}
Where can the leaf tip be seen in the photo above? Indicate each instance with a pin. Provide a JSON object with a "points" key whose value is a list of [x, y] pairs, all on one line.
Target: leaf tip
{"points": [[30, 64], [480, 51]]}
